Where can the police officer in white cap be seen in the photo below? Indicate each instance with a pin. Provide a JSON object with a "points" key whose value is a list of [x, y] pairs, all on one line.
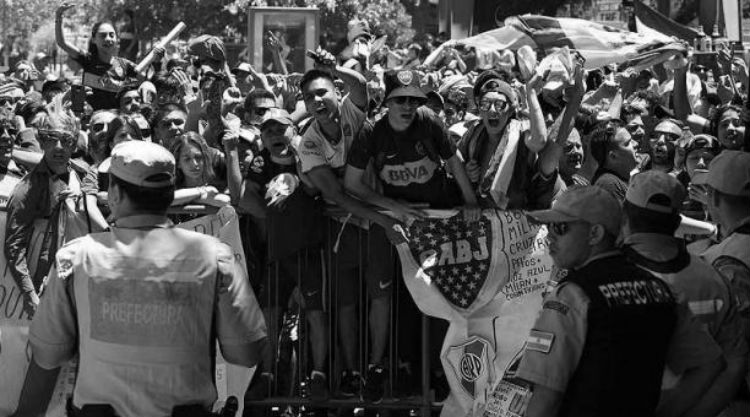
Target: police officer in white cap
{"points": [[144, 303]]}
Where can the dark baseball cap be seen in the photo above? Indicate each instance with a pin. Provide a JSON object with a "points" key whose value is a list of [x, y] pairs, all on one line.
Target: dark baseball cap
{"points": [[277, 115], [403, 84], [729, 173]]}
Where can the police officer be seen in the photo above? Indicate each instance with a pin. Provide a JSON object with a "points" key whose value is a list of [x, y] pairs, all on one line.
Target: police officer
{"points": [[728, 186], [144, 303], [651, 208], [600, 342]]}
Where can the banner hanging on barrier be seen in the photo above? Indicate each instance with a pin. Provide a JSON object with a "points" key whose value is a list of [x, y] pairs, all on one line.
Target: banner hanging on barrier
{"points": [[487, 279]]}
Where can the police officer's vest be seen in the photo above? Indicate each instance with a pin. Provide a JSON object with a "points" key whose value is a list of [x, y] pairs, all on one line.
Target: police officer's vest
{"points": [[631, 318], [145, 315], [736, 246]]}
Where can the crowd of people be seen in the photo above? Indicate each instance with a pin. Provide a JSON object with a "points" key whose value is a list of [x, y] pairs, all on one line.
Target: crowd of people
{"points": [[642, 178]]}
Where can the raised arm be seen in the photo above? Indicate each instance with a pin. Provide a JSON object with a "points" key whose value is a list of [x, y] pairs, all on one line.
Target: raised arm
{"points": [[538, 128], [550, 155], [356, 82], [69, 48], [279, 63], [244, 194]]}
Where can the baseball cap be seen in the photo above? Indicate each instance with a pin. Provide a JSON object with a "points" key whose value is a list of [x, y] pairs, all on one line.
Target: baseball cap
{"points": [[277, 115], [492, 81], [241, 67], [591, 204], [144, 164], [669, 126], [403, 84], [729, 173], [207, 46], [656, 191], [11, 88], [434, 96]]}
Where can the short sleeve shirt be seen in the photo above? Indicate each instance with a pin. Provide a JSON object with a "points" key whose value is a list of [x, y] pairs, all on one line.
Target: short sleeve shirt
{"points": [[104, 96], [263, 169], [555, 344], [612, 183], [691, 345], [315, 150], [409, 163], [297, 224], [139, 305]]}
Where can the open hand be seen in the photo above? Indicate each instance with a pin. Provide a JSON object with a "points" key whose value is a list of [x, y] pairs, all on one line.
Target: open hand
{"points": [[273, 41], [536, 82], [578, 89], [64, 7]]}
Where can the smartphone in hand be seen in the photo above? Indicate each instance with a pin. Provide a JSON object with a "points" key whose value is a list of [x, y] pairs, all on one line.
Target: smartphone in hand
{"points": [[77, 98]]}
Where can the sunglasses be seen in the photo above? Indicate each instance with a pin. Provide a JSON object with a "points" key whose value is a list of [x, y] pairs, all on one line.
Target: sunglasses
{"points": [[411, 101], [261, 111], [499, 104], [66, 139], [11, 100], [669, 137], [130, 100], [167, 123], [450, 112], [559, 228], [633, 128], [98, 127]]}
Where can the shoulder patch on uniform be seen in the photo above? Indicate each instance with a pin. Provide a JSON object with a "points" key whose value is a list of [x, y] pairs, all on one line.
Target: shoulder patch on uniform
{"points": [[540, 341], [705, 307], [64, 268], [557, 306], [65, 256], [226, 267]]}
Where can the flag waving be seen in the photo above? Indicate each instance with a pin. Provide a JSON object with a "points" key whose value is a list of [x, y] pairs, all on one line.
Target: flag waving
{"points": [[601, 45]]}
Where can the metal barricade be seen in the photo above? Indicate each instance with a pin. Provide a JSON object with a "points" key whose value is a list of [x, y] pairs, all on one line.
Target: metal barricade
{"points": [[407, 359]]}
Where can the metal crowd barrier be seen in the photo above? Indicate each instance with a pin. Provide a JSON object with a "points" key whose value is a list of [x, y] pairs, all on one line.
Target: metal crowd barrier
{"points": [[402, 336], [419, 401]]}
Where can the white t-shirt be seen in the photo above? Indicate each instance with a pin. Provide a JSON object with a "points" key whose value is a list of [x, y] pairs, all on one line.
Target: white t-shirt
{"points": [[315, 150]]}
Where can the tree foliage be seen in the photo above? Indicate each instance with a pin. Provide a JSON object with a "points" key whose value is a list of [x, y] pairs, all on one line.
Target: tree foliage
{"points": [[386, 17], [155, 18], [20, 18]]}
